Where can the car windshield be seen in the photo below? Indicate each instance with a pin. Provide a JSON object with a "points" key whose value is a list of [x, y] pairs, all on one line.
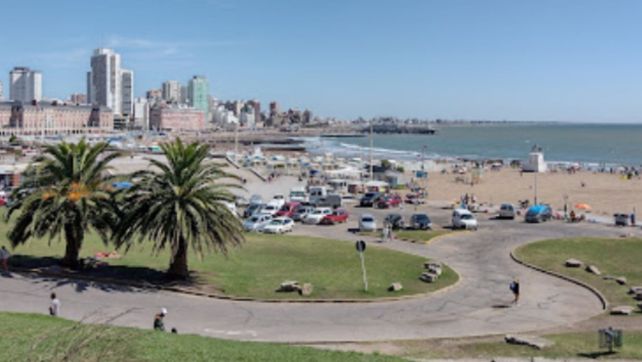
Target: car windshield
{"points": [[421, 217], [317, 212], [254, 219], [297, 193], [367, 219], [370, 195], [466, 217], [276, 222]]}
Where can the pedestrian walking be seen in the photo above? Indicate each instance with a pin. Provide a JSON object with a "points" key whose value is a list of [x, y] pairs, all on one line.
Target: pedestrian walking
{"points": [[514, 287], [54, 306], [4, 257], [159, 324]]}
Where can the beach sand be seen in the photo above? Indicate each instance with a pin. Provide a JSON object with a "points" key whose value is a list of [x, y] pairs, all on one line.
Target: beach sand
{"points": [[605, 193]]}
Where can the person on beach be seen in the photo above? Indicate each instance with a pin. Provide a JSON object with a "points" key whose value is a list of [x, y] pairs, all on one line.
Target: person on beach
{"points": [[159, 324], [54, 306], [514, 287], [4, 257]]}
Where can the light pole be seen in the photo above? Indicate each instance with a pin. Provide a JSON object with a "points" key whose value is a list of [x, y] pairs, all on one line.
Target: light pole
{"points": [[535, 188], [371, 165]]}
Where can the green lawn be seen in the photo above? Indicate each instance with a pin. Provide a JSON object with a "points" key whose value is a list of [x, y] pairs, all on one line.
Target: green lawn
{"points": [[618, 257], [29, 337], [568, 345], [256, 269], [420, 235]]}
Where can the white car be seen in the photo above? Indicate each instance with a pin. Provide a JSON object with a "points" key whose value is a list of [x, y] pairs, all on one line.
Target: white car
{"points": [[279, 225], [464, 219], [278, 200], [317, 215], [298, 194], [270, 209], [367, 222], [506, 211], [256, 222]]}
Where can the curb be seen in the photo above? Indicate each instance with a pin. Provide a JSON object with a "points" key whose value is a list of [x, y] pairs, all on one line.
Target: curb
{"points": [[446, 235], [597, 293], [147, 286]]}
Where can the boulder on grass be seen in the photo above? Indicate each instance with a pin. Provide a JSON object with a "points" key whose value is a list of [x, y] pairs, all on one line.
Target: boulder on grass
{"points": [[621, 280], [432, 264], [435, 270], [395, 287], [428, 277], [531, 341], [306, 289], [637, 296], [593, 270], [622, 310], [635, 290], [573, 263], [289, 286]]}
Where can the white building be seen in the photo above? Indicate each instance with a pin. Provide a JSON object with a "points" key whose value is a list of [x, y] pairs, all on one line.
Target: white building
{"points": [[247, 117], [104, 81], [535, 161], [25, 85], [141, 113], [172, 91], [127, 92]]}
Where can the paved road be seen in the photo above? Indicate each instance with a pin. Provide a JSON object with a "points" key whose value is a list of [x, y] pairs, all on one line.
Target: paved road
{"points": [[472, 307]]}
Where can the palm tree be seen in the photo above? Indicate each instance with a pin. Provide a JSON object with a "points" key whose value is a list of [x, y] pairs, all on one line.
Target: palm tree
{"points": [[66, 191], [181, 204]]}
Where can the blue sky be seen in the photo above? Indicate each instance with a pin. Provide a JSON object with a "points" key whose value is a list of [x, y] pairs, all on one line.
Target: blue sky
{"points": [[571, 60]]}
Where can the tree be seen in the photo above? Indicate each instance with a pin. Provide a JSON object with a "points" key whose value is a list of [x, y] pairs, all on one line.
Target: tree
{"points": [[181, 204], [65, 192]]}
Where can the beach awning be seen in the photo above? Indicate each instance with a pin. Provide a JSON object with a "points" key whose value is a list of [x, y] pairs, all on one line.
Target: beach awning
{"points": [[583, 206]]}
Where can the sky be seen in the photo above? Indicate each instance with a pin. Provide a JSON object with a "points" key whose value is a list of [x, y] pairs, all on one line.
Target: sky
{"points": [[549, 60]]}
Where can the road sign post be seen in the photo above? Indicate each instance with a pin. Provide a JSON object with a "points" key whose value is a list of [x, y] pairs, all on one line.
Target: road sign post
{"points": [[361, 248]]}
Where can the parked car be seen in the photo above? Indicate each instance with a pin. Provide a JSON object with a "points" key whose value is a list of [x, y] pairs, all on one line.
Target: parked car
{"points": [[332, 201], [270, 208], [317, 215], [538, 213], [288, 209], [395, 221], [338, 216], [464, 219], [414, 199], [420, 222], [298, 194], [369, 199], [279, 225], [251, 210], [301, 212], [256, 199], [506, 211], [388, 201], [278, 200], [367, 222], [256, 222], [316, 193]]}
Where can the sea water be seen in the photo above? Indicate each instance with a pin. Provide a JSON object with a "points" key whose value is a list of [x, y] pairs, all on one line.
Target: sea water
{"points": [[588, 144]]}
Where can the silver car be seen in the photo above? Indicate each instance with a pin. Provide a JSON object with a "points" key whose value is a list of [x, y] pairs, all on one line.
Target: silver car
{"points": [[367, 222]]}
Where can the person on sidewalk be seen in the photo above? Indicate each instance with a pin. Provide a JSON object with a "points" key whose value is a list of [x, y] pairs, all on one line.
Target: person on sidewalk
{"points": [[159, 324], [514, 287], [54, 306], [4, 258]]}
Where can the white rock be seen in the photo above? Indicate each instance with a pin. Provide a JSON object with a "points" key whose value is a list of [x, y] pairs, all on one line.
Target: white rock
{"points": [[593, 270], [428, 277], [289, 286], [306, 289], [573, 263], [621, 280], [395, 287], [622, 310]]}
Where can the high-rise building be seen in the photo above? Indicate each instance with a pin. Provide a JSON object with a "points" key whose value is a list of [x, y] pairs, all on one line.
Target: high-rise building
{"points": [[78, 98], [141, 113], [172, 91], [127, 92], [105, 82], [154, 95], [198, 94], [1, 92], [25, 85]]}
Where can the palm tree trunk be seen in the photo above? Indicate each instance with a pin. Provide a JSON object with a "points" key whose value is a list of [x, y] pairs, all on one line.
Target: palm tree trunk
{"points": [[178, 265], [72, 249]]}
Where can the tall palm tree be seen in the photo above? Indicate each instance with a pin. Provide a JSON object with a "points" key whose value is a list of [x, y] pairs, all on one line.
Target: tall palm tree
{"points": [[181, 204], [66, 191]]}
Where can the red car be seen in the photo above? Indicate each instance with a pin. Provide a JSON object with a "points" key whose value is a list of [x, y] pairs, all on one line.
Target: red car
{"points": [[338, 216], [388, 201], [288, 209]]}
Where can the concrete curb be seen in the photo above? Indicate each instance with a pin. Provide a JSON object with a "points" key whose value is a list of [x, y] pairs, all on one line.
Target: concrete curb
{"points": [[436, 238], [597, 293], [147, 286]]}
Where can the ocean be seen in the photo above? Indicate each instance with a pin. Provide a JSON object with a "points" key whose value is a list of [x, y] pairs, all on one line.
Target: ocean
{"points": [[589, 144]]}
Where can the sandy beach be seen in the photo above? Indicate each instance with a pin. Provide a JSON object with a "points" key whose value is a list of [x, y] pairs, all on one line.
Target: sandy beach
{"points": [[605, 193]]}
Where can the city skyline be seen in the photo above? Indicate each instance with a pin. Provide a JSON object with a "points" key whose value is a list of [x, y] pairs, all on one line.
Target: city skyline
{"points": [[500, 60]]}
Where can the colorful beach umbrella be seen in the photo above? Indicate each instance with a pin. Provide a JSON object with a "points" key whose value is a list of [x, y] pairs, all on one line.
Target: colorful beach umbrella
{"points": [[583, 206]]}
